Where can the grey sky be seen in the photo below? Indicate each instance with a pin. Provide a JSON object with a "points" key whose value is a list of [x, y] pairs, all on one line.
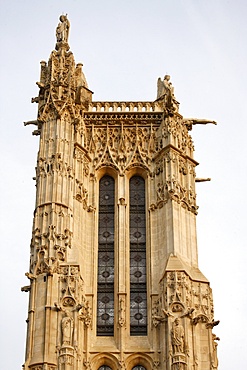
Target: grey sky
{"points": [[125, 46]]}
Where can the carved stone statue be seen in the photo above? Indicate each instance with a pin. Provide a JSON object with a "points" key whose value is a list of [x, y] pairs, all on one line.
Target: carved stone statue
{"points": [[214, 355], [165, 93], [67, 329], [62, 31], [165, 87], [177, 336], [168, 84]]}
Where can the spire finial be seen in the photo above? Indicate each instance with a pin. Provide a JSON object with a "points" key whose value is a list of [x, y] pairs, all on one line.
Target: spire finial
{"points": [[62, 32]]}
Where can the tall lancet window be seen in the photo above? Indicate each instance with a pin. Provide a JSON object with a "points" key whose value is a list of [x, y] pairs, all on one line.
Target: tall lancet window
{"points": [[138, 289], [105, 298]]}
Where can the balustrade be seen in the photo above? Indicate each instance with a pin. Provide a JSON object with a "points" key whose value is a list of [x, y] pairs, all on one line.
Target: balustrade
{"points": [[124, 107]]}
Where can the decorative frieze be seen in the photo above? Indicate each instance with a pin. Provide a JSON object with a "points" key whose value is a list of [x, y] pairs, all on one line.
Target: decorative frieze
{"points": [[120, 147], [54, 164], [172, 189], [48, 249]]}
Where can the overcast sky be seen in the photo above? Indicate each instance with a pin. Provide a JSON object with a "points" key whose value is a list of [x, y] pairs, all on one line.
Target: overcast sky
{"points": [[125, 45]]}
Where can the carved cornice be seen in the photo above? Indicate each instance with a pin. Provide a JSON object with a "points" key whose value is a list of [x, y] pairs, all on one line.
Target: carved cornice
{"points": [[51, 204], [170, 148], [128, 118]]}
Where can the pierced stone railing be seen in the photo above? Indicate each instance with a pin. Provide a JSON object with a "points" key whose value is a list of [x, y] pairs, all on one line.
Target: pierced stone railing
{"points": [[105, 106]]}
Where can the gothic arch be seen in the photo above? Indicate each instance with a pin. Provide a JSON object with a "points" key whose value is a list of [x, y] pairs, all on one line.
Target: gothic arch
{"points": [[137, 171], [139, 359], [138, 165], [109, 165], [104, 359], [106, 170]]}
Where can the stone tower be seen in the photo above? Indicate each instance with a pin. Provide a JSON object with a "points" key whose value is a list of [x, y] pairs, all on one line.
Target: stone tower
{"points": [[114, 277]]}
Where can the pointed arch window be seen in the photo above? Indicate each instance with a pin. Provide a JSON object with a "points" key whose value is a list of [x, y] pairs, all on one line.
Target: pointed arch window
{"points": [[105, 291], [138, 290]]}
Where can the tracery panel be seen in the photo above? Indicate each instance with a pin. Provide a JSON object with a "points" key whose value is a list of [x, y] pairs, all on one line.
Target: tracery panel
{"points": [[138, 290], [105, 294]]}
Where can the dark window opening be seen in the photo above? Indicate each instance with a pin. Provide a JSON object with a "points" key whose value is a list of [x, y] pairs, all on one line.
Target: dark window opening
{"points": [[105, 297], [138, 289]]}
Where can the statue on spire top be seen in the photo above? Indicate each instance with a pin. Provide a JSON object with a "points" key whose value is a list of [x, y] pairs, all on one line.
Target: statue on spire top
{"points": [[62, 30]]}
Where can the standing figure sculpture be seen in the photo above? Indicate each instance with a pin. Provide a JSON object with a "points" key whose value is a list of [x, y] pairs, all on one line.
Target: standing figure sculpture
{"points": [[168, 85], [62, 31], [165, 93], [165, 87], [67, 329], [214, 354], [177, 336]]}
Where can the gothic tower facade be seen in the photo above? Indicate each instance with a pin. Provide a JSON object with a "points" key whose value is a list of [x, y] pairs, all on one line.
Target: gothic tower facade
{"points": [[114, 277]]}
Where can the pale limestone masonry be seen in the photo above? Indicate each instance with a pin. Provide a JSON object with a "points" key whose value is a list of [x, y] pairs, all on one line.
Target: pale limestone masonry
{"points": [[81, 141]]}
